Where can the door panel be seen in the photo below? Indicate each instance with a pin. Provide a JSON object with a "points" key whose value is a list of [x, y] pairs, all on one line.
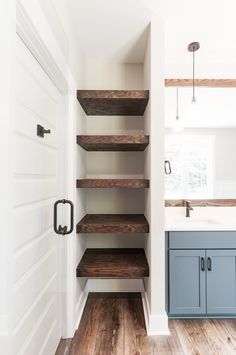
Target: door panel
{"points": [[187, 282], [42, 162], [36, 316], [221, 282]]}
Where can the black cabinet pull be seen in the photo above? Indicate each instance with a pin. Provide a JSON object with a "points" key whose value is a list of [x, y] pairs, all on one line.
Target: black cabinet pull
{"points": [[209, 264], [167, 167], [64, 230], [202, 264]]}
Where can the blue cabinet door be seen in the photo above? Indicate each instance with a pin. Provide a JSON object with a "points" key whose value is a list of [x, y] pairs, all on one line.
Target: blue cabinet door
{"points": [[187, 282], [221, 282]]}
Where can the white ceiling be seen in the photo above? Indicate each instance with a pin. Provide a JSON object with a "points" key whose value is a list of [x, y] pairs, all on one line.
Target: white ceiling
{"points": [[115, 30], [111, 29], [210, 22]]}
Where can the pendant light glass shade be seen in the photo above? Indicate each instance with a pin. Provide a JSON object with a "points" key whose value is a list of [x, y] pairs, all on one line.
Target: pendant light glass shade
{"points": [[178, 124]]}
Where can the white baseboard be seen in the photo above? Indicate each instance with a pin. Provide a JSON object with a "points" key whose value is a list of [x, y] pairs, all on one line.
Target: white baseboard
{"points": [[80, 307], [156, 324], [114, 285]]}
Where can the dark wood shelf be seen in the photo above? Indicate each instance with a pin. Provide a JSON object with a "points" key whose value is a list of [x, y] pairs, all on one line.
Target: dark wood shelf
{"points": [[113, 142], [121, 263], [112, 183], [113, 102], [113, 223]]}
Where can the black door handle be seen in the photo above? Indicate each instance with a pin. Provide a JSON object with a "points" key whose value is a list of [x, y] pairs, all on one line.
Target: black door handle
{"points": [[41, 131], [167, 167], [63, 230], [202, 264], [209, 264]]}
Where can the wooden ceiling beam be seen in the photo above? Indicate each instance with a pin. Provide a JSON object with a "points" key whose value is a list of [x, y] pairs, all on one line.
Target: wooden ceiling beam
{"points": [[213, 83]]}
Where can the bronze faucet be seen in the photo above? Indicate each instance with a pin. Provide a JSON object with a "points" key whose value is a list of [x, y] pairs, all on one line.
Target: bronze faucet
{"points": [[188, 208]]}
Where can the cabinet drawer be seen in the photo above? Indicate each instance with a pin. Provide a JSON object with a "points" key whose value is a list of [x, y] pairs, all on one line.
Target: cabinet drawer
{"points": [[202, 240]]}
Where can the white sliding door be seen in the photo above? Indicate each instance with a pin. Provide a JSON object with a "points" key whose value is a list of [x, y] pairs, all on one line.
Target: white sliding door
{"points": [[38, 182]]}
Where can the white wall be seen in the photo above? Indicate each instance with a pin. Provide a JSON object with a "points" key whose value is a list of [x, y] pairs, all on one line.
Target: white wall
{"points": [[76, 244], [147, 162], [154, 125], [215, 107], [73, 46], [54, 21]]}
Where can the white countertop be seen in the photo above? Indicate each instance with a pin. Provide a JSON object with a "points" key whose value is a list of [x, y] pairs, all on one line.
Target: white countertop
{"points": [[201, 219]]}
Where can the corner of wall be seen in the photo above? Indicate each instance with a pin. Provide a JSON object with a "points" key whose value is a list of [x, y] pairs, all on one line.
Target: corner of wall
{"points": [[154, 297], [156, 324]]}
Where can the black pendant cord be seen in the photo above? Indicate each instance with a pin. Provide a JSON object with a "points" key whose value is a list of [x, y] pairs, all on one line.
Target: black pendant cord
{"points": [[193, 77], [177, 103], [193, 47]]}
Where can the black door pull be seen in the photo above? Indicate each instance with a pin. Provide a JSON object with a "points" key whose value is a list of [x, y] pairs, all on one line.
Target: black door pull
{"points": [[64, 230], [202, 264], [209, 264], [167, 167]]}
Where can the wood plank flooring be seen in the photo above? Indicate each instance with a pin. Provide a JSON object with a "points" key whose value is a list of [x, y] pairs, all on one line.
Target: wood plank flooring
{"points": [[113, 324]]}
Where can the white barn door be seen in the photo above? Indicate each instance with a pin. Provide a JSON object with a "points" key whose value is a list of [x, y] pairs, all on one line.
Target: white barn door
{"points": [[37, 179]]}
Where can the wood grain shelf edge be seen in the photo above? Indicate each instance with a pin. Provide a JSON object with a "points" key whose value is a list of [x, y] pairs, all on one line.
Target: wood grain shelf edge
{"points": [[119, 262], [113, 102], [113, 183], [113, 223], [113, 142]]}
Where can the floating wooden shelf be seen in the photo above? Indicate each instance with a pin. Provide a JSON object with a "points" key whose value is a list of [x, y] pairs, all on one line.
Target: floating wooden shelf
{"points": [[113, 102], [121, 263], [112, 183], [113, 143], [113, 223]]}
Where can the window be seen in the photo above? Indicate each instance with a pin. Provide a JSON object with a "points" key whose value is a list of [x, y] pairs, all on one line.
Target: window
{"points": [[191, 159]]}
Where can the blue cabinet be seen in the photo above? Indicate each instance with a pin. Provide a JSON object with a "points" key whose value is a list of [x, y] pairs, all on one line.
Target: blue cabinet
{"points": [[221, 282], [201, 282], [187, 282]]}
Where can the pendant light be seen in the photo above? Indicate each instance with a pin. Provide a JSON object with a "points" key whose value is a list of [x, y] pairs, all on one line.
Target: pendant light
{"points": [[193, 47], [177, 127]]}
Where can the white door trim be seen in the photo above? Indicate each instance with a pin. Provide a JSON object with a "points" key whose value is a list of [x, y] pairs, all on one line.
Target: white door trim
{"points": [[35, 32]]}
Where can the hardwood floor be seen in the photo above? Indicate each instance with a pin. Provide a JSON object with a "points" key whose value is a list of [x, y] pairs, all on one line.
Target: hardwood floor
{"points": [[113, 324]]}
